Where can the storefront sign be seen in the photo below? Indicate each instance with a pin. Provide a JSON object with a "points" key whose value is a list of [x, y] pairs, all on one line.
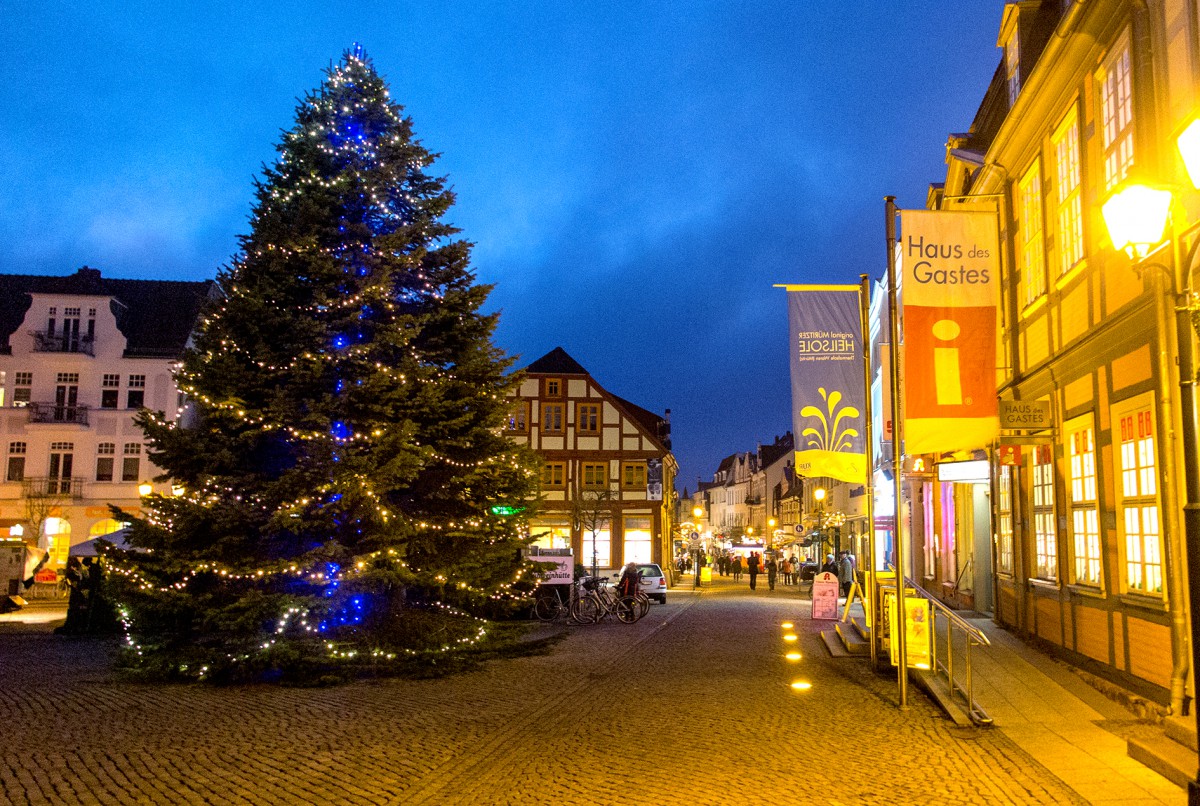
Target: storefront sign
{"points": [[560, 570], [1031, 414]]}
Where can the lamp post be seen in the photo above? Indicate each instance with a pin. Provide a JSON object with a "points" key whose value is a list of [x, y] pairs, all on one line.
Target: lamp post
{"points": [[697, 513], [1136, 218]]}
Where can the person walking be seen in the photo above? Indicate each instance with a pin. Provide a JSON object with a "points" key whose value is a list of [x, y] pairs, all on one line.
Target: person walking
{"points": [[753, 570], [846, 572], [772, 572], [787, 570]]}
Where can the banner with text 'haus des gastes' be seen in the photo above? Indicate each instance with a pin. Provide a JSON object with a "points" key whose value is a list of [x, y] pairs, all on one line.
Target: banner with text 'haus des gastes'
{"points": [[950, 271], [828, 400]]}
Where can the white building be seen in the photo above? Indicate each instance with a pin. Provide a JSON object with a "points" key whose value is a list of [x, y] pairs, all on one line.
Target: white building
{"points": [[79, 356]]}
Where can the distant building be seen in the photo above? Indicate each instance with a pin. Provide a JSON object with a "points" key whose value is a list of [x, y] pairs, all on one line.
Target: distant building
{"points": [[608, 475], [79, 356]]}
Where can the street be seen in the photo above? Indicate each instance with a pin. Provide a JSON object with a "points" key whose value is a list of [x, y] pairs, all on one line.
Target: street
{"points": [[691, 705]]}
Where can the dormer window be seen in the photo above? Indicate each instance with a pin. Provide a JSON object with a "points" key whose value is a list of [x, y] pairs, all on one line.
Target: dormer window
{"points": [[1010, 40]]}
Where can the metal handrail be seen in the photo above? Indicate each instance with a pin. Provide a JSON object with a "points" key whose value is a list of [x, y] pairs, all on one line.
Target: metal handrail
{"points": [[973, 637]]}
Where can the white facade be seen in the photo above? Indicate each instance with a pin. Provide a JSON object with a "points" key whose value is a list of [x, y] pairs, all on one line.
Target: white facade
{"points": [[70, 387]]}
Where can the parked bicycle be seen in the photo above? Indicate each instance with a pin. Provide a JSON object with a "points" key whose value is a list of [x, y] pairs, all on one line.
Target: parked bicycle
{"points": [[598, 601]]}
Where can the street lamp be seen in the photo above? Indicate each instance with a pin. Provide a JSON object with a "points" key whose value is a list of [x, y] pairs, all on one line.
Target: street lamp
{"points": [[697, 512], [819, 497], [769, 537], [1136, 218]]}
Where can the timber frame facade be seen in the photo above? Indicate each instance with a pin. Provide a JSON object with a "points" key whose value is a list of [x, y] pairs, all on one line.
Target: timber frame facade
{"points": [[1087, 553], [608, 475]]}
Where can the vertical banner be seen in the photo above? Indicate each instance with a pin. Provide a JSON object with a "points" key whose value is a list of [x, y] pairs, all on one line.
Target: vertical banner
{"points": [[950, 289], [828, 398], [654, 480]]}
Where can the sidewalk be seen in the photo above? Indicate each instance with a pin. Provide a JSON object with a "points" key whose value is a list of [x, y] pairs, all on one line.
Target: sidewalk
{"points": [[1053, 715]]}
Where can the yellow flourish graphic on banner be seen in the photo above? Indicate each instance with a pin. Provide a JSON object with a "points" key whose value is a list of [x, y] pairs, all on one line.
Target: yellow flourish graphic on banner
{"points": [[829, 437]]}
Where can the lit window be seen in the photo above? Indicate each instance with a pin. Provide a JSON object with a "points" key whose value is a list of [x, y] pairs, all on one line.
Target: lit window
{"points": [[1004, 526], [1065, 143], [1116, 114], [1032, 254], [1138, 511], [1085, 517], [1044, 529]]}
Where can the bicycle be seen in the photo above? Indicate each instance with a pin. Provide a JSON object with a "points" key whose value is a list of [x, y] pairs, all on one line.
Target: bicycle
{"points": [[600, 601], [549, 604]]}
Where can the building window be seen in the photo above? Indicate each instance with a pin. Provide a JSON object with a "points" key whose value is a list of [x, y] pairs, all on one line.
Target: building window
{"points": [[22, 383], [1032, 253], [1044, 533], [638, 545], [1065, 143], [595, 474], [16, 461], [136, 396], [1004, 524], [1116, 114], [633, 475], [1085, 516], [1012, 66], [131, 463], [105, 456], [552, 418], [552, 388], [1137, 504], [554, 474], [110, 391], [588, 418], [517, 420]]}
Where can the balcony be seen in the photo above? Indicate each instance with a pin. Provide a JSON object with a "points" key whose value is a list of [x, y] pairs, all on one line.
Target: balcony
{"points": [[49, 487], [44, 342], [58, 413]]}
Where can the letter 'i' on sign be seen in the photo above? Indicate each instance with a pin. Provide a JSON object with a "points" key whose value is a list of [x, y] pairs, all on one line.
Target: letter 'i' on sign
{"points": [[950, 293], [945, 364]]}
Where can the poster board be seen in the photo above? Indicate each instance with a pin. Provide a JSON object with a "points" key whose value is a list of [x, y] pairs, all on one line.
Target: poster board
{"points": [[918, 626], [825, 596]]}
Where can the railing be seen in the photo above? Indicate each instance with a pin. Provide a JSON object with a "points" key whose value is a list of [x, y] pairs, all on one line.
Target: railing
{"points": [[51, 487], [44, 342], [972, 637], [58, 413]]}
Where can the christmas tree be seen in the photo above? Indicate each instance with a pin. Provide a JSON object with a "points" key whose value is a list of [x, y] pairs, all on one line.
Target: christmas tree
{"points": [[341, 451]]}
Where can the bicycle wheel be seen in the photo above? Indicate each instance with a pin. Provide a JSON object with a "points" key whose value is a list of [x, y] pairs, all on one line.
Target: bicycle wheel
{"points": [[547, 607], [586, 610], [627, 610], [643, 603]]}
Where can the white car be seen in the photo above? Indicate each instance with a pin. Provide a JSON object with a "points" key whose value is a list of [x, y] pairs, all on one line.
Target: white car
{"points": [[653, 582]]}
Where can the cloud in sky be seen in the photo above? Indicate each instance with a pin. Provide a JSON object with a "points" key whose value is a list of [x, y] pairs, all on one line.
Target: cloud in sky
{"points": [[634, 176]]}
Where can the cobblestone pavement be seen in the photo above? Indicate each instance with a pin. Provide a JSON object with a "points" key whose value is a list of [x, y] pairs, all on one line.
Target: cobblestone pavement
{"points": [[691, 705]]}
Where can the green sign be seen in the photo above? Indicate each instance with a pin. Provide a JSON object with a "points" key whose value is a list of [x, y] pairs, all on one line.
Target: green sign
{"points": [[504, 510]]}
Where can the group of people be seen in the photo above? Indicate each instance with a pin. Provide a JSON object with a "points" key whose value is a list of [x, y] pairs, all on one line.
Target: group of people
{"points": [[769, 563], [842, 567]]}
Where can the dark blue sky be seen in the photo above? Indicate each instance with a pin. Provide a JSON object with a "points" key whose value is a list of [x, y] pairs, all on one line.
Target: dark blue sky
{"points": [[635, 176]]}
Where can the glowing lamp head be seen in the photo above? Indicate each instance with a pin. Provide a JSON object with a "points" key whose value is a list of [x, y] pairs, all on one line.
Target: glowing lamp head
{"points": [[145, 488], [819, 494], [16, 530], [1136, 217], [1188, 144], [697, 512]]}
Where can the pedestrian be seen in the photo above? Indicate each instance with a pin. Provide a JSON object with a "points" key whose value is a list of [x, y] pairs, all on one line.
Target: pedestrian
{"points": [[735, 567], [846, 572], [753, 570], [829, 566], [787, 569], [772, 572]]}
